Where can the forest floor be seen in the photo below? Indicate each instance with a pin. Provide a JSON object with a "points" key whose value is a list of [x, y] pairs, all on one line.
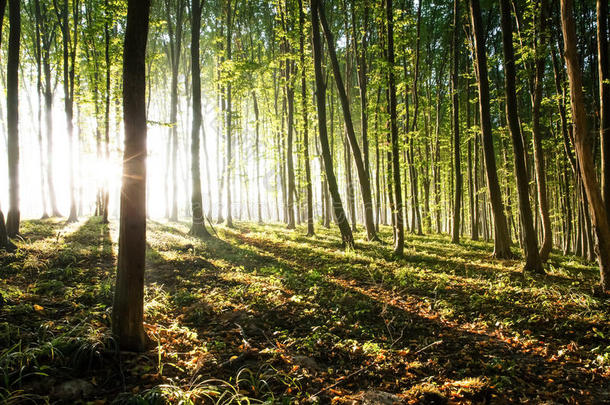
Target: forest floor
{"points": [[262, 314]]}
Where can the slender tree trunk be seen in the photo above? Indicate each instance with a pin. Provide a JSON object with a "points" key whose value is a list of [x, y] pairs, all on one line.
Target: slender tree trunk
{"points": [[399, 226], [457, 205], [539, 51], [37, 52], [128, 308], [501, 239], [583, 149], [12, 119], [69, 54], [603, 66], [175, 51], [198, 227], [304, 106], [346, 233], [363, 177], [106, 196], [257, 158], [533, 261], [228, 121]]}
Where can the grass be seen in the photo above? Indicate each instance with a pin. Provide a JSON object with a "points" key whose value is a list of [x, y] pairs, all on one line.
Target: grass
{"points": [[266, 315]]}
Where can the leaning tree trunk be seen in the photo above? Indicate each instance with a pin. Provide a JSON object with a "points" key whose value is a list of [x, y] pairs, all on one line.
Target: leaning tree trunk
{"points": [[399, 226], [501, 237], [346, 233], [198, 227], [457, 202], [363, 176], [533, 261], [128, 307], [12, 119], [586, 164]]}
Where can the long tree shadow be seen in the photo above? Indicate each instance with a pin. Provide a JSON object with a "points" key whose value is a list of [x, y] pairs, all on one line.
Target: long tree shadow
{"points": [[279, 297]]}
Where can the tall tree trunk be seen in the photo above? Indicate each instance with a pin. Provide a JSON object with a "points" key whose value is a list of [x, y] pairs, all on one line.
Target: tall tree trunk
{"points": [[399, 226], [457, 204], [603, 66], [175, 51], [229, 113], [38, 57], [4, 241], [540, 54], [363, 177], [597, 207], [257, 158], [346, 233], [106, 197], [501, 237], [69, 43], [533, 261], [12, 116], [304, 106], [583, 148], [128, 307], [198, 227]]}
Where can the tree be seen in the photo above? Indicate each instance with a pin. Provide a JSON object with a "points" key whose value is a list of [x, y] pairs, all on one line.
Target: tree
{"points": [[128, 308], [501, 236], [47, 29], [457, 168], [304, 107], [363, 176], [399, 241], [175, 29], [228, 117], [543, 203], [198, 227], [346, 233], [5, 243], [533, 262], [69, 46], [603, 66], [12, 112], [599, 215]]}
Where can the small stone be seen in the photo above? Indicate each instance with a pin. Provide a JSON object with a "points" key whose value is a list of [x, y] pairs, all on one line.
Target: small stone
{"points": [[73, 390], [373, 397]]}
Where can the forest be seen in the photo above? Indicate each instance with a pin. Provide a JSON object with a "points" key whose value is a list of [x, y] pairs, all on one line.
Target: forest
{"points": [[304, 201]]}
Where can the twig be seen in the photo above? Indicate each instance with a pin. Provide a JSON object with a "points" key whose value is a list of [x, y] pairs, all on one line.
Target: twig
{"points": [[438, 342], [212, 226]]}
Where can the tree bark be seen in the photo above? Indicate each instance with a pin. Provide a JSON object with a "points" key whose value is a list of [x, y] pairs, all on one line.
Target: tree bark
{"points": [[457, 168], [363, 177], [175, 51], [501, 238], [597, 207], [228, 113], [12, 119], [128, 308], [346, 233], [399, 226], [304, 106], [198, 227], [603, 66], [533, 262], [540, 54]]}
